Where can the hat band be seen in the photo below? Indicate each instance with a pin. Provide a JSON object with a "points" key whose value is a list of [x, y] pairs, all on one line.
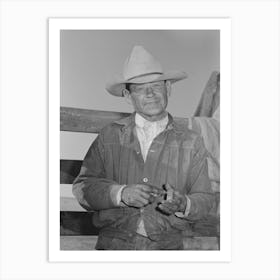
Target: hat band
{"points": [[145, 78]]}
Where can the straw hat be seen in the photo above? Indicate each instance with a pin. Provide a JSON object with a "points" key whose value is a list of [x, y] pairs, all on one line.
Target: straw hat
{"points": [[141, 67]]}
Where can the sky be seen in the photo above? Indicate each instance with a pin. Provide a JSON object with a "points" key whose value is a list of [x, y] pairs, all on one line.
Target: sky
{"points": [[90, 58]]}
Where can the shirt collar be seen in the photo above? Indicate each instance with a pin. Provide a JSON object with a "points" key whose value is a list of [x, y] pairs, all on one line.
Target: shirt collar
{"points": [[141, 122]]}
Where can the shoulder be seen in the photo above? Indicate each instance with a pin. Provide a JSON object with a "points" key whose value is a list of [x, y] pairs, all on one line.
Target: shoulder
{"points": [[190, 137], [109, 129], [114, 128]]}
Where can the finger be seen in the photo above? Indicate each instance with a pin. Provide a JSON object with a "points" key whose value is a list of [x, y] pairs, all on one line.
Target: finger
{"points": [[145, 188], [143, 194], [151, 189], [152, 199], [160, 199], [143, 201], [171, 206], [164, 209], [177, 195], [137, 204], [174, 200], [157, 191]]}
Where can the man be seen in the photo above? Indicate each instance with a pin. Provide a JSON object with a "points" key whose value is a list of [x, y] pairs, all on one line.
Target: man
{"points": [[145, 176]]}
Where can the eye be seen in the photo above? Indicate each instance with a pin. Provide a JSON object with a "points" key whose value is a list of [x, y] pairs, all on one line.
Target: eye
{"points": [[157, 87]]}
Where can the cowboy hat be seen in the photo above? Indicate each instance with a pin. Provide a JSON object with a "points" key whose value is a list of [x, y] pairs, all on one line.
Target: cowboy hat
{"points": [[141, 67]]}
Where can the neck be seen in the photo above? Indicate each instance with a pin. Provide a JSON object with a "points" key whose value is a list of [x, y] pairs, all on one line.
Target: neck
{"points": [[154, 118]]}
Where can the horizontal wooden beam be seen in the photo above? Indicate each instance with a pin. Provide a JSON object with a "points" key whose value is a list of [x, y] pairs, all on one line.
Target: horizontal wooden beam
{"points": [[77, 223], [89, 121], [82, 243], [89, 242], [67, 200], [92, 121], [69, 170], [70, 204]]}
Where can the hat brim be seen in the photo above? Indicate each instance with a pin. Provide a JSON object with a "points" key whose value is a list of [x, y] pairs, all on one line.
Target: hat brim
{"points": [[117, 85]]}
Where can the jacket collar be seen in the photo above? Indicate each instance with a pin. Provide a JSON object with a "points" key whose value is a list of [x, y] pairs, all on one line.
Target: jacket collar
{"points": [[130, 122], [126, 122]]}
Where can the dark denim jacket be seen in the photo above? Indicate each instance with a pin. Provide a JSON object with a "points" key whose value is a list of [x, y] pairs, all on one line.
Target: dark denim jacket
{"points": [[177, 156]]}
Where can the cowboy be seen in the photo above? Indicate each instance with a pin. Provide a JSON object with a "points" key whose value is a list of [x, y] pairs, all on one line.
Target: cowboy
{"points": [[145, 176]]}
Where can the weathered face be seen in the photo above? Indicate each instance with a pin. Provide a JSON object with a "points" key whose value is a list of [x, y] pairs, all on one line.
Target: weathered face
{"points": [[150, 99]]}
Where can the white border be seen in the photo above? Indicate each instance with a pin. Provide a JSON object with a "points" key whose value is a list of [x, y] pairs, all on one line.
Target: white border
{"points": [[55, 25]]}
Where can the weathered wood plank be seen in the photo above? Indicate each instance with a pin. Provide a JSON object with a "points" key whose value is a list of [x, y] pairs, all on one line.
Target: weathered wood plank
{"points": [[92, 121], [67, 200], [89, 121], [70, 204], [69, 170], [88, 243], [77, 223], [210, 98], [78, 242], [66, 191], [201, 243]]}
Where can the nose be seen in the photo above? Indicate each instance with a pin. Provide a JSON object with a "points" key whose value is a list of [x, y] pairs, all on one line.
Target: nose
{"points": [[149, 91]]}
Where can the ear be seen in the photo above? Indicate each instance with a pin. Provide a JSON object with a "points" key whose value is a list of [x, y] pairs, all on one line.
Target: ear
{"points": [[168, 87], [126, 95]]}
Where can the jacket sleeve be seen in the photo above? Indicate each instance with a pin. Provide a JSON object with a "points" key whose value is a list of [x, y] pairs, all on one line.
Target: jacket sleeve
{"points": [[200, 194], [91, 188]]}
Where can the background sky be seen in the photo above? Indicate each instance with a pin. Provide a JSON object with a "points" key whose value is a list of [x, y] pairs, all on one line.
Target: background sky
{"points": [[89, 58]]}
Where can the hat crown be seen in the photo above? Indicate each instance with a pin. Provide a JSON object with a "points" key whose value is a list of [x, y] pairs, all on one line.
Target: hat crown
{"points": [[139, 63]]}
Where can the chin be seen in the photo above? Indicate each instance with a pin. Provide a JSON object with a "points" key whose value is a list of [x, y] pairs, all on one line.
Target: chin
{"points": [[153, 112]]}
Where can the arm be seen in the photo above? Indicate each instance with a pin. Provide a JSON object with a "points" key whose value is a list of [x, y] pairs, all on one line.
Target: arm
{"points": [[91, 188], [96, 192], [200, 194], [199, 200]]}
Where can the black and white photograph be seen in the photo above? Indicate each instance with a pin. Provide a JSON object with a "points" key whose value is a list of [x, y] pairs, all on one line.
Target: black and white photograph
{"points": [[140, 140]]}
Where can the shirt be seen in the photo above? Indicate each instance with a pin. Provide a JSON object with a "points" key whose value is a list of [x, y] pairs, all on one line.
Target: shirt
{"points": [[146, 132], [114, 158]]}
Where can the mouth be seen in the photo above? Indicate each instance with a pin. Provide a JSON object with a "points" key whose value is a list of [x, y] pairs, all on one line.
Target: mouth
{"points": [[151, 102]]}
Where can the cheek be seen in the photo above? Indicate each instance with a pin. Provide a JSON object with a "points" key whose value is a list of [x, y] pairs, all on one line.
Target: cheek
{"points": [[137, 103], [164, 100]]}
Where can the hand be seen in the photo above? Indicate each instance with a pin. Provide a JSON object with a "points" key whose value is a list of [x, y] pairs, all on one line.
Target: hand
{"points": [[175, 201], [139, 195]]}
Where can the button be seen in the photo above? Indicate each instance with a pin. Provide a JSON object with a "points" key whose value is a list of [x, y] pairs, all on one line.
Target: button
{"points": [[145, 180]]}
